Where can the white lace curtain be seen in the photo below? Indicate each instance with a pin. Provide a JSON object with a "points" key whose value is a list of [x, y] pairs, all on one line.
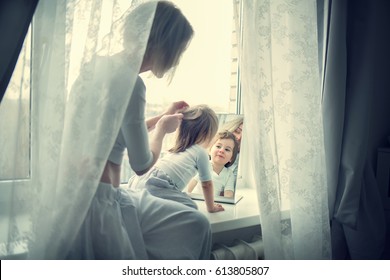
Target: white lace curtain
{"points": [[281, 92], [71, 132]]}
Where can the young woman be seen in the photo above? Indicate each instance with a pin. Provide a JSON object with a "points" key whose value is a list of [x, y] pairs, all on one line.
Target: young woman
{"points": [[235, 127], [123, 224], [188, 157], [222, 155]]}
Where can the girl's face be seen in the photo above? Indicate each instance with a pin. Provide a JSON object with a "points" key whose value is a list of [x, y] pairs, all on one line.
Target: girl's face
{"points": [[222, 151]]}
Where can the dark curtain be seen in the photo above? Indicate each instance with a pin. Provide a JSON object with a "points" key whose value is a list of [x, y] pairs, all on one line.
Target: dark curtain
{"points": [[355, 102], [15, 18]]}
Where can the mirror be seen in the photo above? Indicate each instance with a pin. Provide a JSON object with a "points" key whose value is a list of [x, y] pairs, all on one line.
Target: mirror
{"points": [[224, 153]]}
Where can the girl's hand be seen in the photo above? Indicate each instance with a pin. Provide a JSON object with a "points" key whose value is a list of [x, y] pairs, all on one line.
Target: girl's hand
{"points": [[216, 208]]}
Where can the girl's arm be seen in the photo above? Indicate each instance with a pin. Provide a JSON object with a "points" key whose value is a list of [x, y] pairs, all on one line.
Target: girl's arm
{"points": [[191, 185], [230, 184], [208, 194], [228, 193]]}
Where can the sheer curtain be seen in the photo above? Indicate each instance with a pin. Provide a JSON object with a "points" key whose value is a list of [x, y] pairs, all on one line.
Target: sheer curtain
{"points": [[72, 131], [281, 92]]}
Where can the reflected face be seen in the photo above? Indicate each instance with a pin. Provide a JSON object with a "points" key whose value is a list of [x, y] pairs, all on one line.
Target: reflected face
{"points": [[222, 151], [238, 133]]}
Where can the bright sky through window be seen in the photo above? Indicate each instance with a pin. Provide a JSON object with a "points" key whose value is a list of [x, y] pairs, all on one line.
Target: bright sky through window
{"points": [[204, 72]]}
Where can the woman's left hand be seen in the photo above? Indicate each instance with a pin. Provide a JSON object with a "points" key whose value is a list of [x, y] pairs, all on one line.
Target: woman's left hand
{"points": [[169, 123], [177, 107]]}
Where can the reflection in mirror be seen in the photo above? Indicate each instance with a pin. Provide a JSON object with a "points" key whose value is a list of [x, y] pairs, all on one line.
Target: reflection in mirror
{"points": [[224, 153]]}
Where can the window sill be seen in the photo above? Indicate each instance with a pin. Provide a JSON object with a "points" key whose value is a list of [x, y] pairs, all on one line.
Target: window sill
{"points": [[236, 216]]}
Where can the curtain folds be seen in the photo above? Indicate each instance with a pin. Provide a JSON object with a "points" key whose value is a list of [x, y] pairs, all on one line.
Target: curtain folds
{"points": [[281, 92], [73, 117], [358, 222]]}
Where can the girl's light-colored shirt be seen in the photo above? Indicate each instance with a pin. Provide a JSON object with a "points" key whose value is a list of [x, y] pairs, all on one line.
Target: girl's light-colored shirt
{"points": [[182, 167], [224, 181]]}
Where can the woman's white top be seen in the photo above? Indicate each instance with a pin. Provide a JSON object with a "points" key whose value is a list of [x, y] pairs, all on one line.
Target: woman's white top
{"points": [[133, 134]]}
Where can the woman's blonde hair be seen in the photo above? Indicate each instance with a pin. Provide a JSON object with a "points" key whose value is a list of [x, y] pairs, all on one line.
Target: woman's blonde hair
{"points": [[199, 124], [228, 135], [169, 37], [233, 124]]}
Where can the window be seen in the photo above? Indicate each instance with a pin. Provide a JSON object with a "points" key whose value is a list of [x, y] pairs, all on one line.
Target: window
{"points": [[15, 148], [208, 69], [207, 73], [16, 110]]}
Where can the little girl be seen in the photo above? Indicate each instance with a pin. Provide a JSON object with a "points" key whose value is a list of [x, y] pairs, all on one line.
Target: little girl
{"points": [[222, 155], [189, 156]]}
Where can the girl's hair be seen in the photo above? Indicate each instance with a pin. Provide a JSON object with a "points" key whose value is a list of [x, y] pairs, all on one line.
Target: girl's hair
{"points": [[199, 124], [228, 135], [232, 125], [169, 37]]}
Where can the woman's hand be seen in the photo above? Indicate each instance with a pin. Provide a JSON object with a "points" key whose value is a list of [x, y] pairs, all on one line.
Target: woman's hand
{"points": [[176, 107], [216, 208], [169, 123]]}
